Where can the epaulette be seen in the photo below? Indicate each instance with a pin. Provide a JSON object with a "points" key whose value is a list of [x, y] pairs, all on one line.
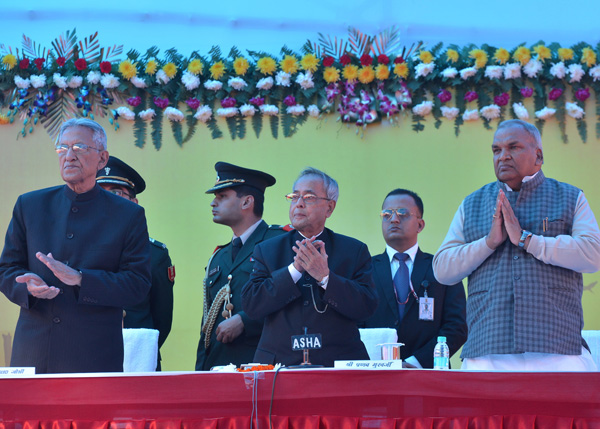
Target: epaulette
{"points": [[157, 243], [219, 248], [287, 227]]}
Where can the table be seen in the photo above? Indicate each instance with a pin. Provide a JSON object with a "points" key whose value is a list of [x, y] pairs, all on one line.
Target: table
{"points": [[325, 398]]}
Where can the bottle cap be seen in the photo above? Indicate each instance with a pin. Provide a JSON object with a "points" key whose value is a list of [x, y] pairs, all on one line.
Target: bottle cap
{"points": [[441, 339]]}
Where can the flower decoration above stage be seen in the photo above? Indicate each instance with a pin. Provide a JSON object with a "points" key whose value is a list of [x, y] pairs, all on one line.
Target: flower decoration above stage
{"points": [[360, 81]]}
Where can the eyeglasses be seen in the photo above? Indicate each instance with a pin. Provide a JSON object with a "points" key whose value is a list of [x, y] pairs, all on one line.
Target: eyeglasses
{"points": [[77, 148], [307, 198], [402, 214], [121, 193]]}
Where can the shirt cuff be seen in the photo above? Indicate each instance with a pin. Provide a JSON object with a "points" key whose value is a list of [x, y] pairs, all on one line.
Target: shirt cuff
{"points": [[413, 361], [296, 275], [324, 281]]}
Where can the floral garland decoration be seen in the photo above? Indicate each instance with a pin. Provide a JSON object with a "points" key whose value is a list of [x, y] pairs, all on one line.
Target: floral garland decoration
{"points": [[363, 80]]}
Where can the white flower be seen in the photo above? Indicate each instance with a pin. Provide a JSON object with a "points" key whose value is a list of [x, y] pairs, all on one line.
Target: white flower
{"points": [[22, 83], [305, 80], [247, 110], [190, 80], [512, 71], [59, 80], [296, 109], [161, 77], [449, 73], [213, 85], [138, 83], [283, 79], [313, 111], [265, 83], [595, 73], [532, 68], [269, 109], [37, 80], [468, 72], [449, 112], [574, 111], [75, 81], [227, 112], [109, 80], [147, 114], [174, 114], [423, 109], [520, 111], [545, 113], [494, 72], [471, 115], [237, 83], [576, 72], [558, 70], [203, 114], [93, 77], [126, 113], [424, 69], [490, 112]]}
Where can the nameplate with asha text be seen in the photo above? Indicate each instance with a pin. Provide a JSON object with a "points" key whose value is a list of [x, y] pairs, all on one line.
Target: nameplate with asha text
{"points": [[306, 341], [17, 372], [368, 364]]}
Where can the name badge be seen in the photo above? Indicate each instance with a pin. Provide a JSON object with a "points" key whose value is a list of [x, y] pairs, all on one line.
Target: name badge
{"points": [[426, 308]]}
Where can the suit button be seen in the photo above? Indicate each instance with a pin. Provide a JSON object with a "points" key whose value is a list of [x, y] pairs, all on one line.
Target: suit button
{"points": [[306, 303], [74, 209], [70, 235], [517, 277], [56, 320], [61, 291], [515, 257], [307, 278]]}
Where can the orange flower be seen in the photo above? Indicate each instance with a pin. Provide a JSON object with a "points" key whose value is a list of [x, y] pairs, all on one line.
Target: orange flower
{"points": [[366, 74], [382, 72], [522, 55], [331, 74], [289, 64], [401, 70], [501, 56], [350, 72], [542, 52]]}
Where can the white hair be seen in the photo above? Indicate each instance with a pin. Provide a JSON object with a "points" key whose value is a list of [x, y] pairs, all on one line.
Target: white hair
{"points": [[329, 183], [98, 133]]}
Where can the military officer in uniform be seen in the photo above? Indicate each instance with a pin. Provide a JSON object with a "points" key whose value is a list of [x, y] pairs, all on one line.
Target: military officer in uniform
{"points": [[227, 334], [156, 310]]}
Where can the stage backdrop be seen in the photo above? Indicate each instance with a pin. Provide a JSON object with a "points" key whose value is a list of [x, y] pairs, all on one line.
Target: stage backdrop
{"points": [[442, 168]]}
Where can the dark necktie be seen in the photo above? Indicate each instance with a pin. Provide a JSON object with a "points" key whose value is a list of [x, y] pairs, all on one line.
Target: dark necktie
{"points": [[401, 282], [236, 246]]}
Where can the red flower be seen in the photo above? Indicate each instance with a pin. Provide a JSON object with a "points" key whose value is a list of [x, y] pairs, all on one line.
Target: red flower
{"points": [[582, 94], [105, 66], [24, 63], [80, 64], [555, 93], [61, 61], [398, 60], [366, 60], [39, 63], [345, 59], [383, 59], [328, 61], [502, 99]]}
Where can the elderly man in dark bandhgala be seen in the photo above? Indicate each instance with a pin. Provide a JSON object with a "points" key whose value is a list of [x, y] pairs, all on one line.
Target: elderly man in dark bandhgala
{"points": [[74, 256], [523, 241]]}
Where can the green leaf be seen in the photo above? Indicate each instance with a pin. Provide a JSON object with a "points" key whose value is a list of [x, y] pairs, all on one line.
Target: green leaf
{"points": [[157, 129], [257, 123], [231, 124], [177, 132], [216, 133], [191, 123], [287, 124], [582, 129], [274, 122], [241, 126]]}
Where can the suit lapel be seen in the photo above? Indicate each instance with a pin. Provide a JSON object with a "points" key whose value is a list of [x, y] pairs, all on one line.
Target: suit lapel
{"points": [[383, 272], [248, 247]]}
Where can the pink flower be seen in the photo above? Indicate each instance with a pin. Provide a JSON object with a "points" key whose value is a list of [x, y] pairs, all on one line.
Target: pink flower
{"points": [[257, 101], [526, 92], [582, 94], [194, 103], [555, 94], [444, 95], [228, 102], [471, 96], [161, 102], [289, 101], [134, 101], [502, 99]]}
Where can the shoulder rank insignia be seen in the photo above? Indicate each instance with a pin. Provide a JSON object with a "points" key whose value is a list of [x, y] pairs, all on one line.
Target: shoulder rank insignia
{"points": [[171, 273]]}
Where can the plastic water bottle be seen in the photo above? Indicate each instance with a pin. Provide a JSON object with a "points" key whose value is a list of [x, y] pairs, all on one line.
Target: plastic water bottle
{"points": [[441, 354]]}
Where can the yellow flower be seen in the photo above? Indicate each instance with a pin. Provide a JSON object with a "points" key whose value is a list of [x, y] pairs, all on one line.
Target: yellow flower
{"points": [[350, 72], [289, 64], [217, 70], [266, 65], [331, 74], [366, 74], [501, 56], [3, 118], [401, 70], [426, 57], [382, 72], [588, 56], [309, 62], [240, 65], [170, 70], [9, 61], [151, 67], [452, 55], [480, 57], [542, 52], [195, 67], [522, 55], [127, 69], [565, 54]]}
